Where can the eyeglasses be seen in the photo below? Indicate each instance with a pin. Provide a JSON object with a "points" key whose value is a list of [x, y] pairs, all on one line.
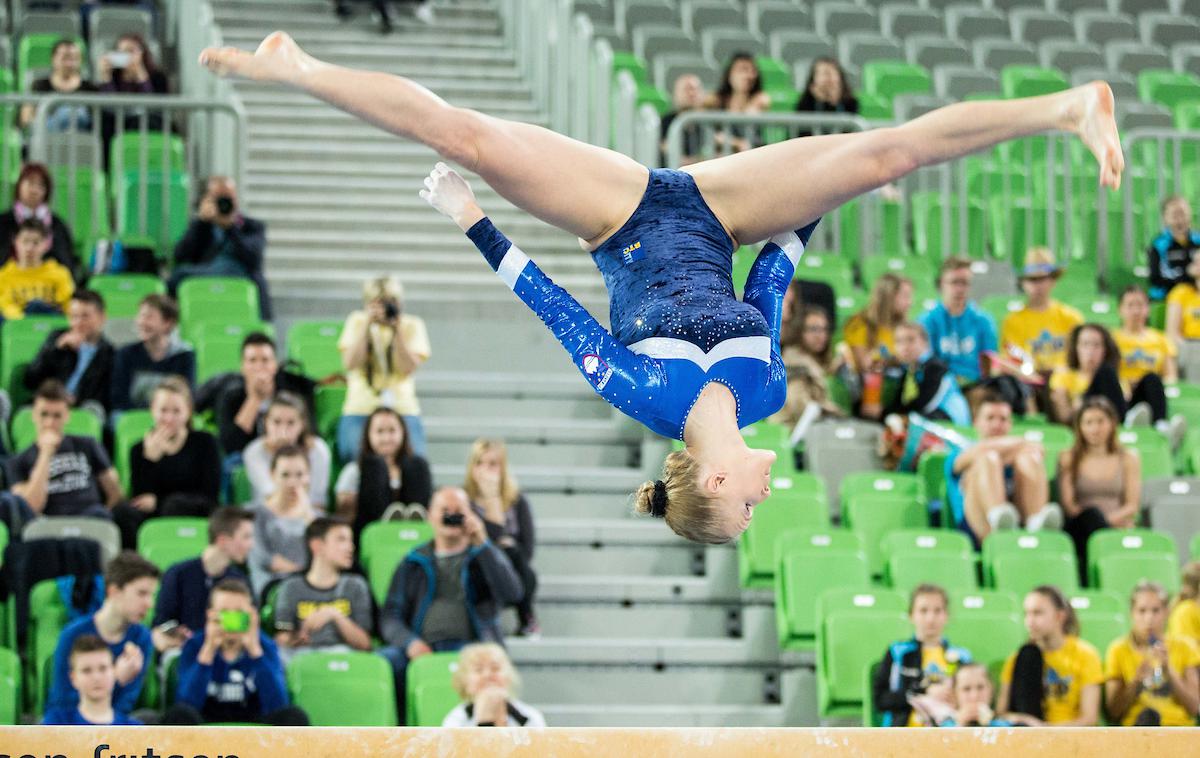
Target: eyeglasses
{"points": [[959, 282], [816, 329]]}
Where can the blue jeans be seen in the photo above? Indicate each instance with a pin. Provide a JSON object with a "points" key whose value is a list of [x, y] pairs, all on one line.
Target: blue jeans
{"points": [[399, 660], [350, 430]]}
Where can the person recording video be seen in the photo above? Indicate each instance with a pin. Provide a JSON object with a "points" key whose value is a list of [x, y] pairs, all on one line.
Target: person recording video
{"points": [[221, 241]]}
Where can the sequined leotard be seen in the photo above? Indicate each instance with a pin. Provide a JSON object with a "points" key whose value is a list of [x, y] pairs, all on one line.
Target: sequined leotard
{"points": [[676, 323]]}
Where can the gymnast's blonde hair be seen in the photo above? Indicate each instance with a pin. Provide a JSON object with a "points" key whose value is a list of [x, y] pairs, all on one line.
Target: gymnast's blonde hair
{"points": [[681, 502]]}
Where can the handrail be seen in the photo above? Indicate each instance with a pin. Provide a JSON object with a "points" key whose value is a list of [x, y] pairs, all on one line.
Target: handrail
{"points": [[1161, 138]]}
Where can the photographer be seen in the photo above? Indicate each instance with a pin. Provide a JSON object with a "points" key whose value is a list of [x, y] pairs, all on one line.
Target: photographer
{"points": [[220, 241], [381, 348]]}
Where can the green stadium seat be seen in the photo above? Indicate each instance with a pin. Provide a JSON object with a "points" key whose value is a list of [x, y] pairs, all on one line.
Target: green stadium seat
{"points": [[242, 490], [47, 617], [1015, 226], [10, 687], [648, 94], [874, 107], [990, 636], [343, 689], [34, 53], [879, 483], [123, 293], [167, 540], [847, 304], [130, 150], [985, 602], [743, 259], [20, 341], [800, 506], [1107, 544], [235, 299], [916, 269], [890, 78], [1103, 616], [1097, 601], [873, 515], [219, 345], [1194, 548], [773, 73], [1029, 81], [430, 693], [1187, 116], [81, 199], [81, 422], [766, 435], [1152, 447], [909, 567], [1120, 573], [811, 561], [313, 344], [1167, 87], [931, 470], [1020, 572], [328, 401], [163, 223], [1023, 543], [131, 426], [953, 543], [1053, 438], [848, 642], [383, 545], [631, 62], [830, 268], [1000, 306]]}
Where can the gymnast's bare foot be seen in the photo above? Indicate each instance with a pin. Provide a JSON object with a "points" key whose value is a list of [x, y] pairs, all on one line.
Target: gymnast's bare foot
{"points": [[1089, 113], [278, 59]]}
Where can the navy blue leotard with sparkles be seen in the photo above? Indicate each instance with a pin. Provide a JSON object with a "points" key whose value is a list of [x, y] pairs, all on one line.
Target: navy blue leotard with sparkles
{"points": [[677, 324]]}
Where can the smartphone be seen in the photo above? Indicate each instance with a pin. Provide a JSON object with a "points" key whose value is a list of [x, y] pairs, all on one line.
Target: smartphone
{"points": [[168, 627], [235, 621], [118, 59]]}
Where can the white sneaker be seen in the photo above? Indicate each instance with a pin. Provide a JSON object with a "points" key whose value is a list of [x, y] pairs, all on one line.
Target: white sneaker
{"points": [[1174, 429], [1003, 517], [1139, 415], [1049, 518]]}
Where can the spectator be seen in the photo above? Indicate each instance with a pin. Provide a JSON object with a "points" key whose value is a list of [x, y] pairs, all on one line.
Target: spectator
{"points": [[381, 348], [62, 475], [186, 585], [231, 671], [279, 525], [1099, 481], [220, 241], [973, 692], [1185, 615], [447, 592], [387, 471], [287, 424], [1040, 329], [1001, 480], [868, 333], [29, 284], [687, 94], [496, 498], [1090, 371], [130, 582], [1183, 306], [485, 681], [80, 356], [239, 402], [175, 470], [1173, 250], [92, 673], [31, 199], [326, 607], [66, 78], [140, 366], [959, 332], [926, 385], [1055, 678], [130, 69], [1147, 356], [740, 91], [912, 667], [1152, 679], [806, 345], [827, 89]]}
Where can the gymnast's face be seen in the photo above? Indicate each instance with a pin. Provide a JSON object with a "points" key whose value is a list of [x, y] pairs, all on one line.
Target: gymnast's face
{"points": [[740, 485]]}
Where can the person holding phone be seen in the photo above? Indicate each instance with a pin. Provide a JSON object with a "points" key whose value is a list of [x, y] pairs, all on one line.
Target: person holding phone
{"points": [[447, 592], [231, 672], [130, 68]]}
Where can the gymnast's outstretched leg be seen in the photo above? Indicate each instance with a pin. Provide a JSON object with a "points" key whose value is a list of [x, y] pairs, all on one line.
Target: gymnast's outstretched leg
{"points": [[586, 190], [775, 188]]}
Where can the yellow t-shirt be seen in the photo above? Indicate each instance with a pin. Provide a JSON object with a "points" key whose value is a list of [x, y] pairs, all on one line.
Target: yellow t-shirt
{"points": [[1122, 663], [1067, 671], [1042, 334], [1144, 353], [855, 334], [936, 668], [50, 283], [1185, 621], [386, 388], [1187, 298]]}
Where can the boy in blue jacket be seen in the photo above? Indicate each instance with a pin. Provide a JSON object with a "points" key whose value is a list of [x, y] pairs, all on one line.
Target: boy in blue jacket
{"points": [[93, 675], [231, 672]]}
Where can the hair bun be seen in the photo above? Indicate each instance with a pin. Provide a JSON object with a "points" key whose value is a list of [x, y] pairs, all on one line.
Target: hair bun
{"points": [[651, 499]]}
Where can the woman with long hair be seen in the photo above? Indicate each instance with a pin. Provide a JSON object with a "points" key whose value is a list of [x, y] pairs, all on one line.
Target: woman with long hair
{"points": [[684, 357], [286, 423], [496, 498], [868, 333], [387, 471], [806, 343], [827, 89], [1091, 371]]}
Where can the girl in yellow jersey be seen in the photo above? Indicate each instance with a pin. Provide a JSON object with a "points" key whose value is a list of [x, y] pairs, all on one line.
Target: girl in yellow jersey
{"points": [[1185, 616]]}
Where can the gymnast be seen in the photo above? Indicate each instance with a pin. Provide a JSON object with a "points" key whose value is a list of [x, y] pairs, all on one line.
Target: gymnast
{"points": [[684, 357]]}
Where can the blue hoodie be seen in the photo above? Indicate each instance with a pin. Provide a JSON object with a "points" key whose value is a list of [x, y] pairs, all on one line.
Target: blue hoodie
{"points": [[245, 690], [960, 340]]}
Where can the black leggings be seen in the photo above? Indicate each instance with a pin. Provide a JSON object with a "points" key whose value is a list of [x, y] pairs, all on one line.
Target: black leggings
{"points": [[528, 579], [1026, 691], [1149, 390]]}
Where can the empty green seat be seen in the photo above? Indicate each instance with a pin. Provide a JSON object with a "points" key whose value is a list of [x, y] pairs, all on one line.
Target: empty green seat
{"points": [[343, 689], [916, 269], [809, 563], [167, 540], [1000, 306], [81, 199], [224, 299], [797, 507], [10, 687], [631, 62], [123, 293], [766, 435], [1103, 616], [313, 344], [153, 149], [874, 107], [874, 515], [1015, 226], [1097, 601], [879, 483], [773, 73], [1019, 573], [1152, 447], [930, 541], [81, 422], [131, 426], [327, 407], [47, 617], [20, 341], [991, 636], [166, 202], [430, 693], [1029, 81], [383, 545], [1109, 543], [1023, 543], [1119, 574], [1167, 87], [910, 567], [849, 640], [826, 267], [891, 78]]}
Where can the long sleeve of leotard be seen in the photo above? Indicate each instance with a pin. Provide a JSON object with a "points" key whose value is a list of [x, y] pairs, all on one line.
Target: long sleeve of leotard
{"points": [[771, 274], [631, 383]]}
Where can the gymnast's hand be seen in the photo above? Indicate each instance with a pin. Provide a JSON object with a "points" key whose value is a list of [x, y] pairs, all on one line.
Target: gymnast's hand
{"points": [[450, 194]]}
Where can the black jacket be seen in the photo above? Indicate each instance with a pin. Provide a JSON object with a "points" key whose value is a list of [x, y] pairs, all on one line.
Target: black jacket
{"points": [[375, 492], [225, 394], [53, 362], [246, 241], [900, 674]]}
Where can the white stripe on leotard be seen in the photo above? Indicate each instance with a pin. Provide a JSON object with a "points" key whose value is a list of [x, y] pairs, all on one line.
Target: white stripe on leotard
{"points": [[757, 348], [512, 265], [791, 245]]}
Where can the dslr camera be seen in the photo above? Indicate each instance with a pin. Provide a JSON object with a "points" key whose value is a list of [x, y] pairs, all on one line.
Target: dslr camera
{"points": [[391, 310], [225, 205]]}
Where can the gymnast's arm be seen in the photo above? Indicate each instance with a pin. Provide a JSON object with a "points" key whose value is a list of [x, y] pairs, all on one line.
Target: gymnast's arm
{"points": [[623, 378], [771, 274]]}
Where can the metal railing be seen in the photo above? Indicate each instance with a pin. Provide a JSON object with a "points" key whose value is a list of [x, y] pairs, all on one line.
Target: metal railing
{"points": [[1168, 155], [538, 33]]}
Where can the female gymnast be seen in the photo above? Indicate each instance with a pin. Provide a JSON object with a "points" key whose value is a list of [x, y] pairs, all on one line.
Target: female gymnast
{"points": [[685, 357]]}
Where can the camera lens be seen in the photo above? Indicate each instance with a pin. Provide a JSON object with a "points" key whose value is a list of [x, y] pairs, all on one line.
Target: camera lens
{"points": [[453, 519], [224, 205]]}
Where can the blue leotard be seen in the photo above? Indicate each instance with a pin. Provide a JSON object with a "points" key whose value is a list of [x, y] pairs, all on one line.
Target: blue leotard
{"points": [[676, 323]]}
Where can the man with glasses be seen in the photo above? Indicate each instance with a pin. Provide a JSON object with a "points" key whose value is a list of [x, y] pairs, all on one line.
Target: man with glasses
{"points": [[959, 332]]}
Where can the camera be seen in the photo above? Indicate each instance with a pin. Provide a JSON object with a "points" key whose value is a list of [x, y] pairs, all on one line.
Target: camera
{"points": [[234, 621], [391, 310], [453, 519], [225, 205]]}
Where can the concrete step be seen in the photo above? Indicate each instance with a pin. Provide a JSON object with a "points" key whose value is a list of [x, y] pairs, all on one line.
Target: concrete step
{"points": [[616, 560], [619, 650], [579, 454], [658, 715], [599, 685], [528, 407], [552, 479], [650, 620]]}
